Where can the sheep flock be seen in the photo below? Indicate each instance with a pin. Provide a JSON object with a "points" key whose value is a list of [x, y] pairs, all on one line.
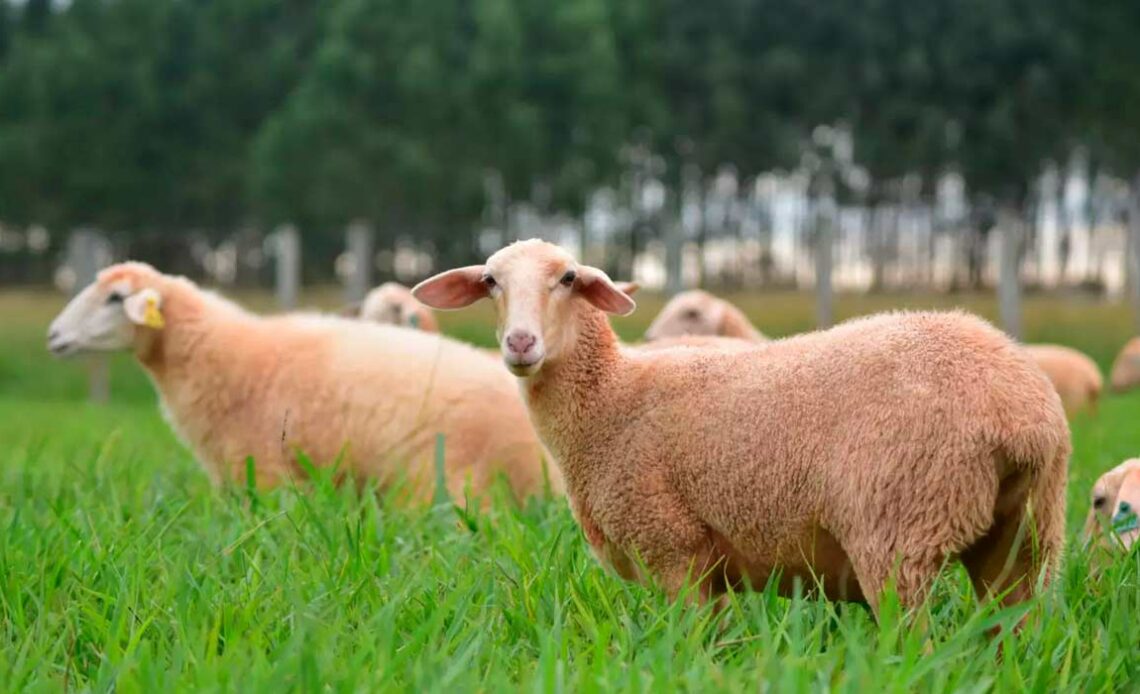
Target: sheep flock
{"points": [[706, 459]]}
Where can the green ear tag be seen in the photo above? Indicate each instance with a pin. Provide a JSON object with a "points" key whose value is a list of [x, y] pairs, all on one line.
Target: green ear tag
{"points": [[414, 320]]}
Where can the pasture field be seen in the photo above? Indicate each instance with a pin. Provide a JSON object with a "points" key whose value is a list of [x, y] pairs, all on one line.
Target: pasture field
{"points": [[121, 569]]}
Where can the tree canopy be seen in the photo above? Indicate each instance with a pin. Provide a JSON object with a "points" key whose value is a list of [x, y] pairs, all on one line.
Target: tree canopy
{"points": [[210, 115]]}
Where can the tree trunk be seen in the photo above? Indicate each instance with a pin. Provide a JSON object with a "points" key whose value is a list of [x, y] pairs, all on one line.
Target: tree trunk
{"points": [[358, 245], [288, 244], [88, 252], [674, 249], [877, 234], [1133, 254], [1009, 278], [824, 216]]}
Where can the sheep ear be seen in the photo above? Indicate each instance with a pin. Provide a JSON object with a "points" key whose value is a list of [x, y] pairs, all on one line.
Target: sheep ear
{"points": [[599, 290], [452, 289], [719, 317], [627, 288], [144, 307]]}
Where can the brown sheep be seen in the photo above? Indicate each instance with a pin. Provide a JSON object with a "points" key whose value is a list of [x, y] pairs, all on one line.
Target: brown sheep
{"points": [[1126, 369], [883, 447], [1074, 375], [236, 385], [697, 312], [1115, 503]]}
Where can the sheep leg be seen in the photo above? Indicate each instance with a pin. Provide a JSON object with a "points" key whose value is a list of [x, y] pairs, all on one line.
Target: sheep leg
{"points": [[691, 575], [912, 575], [681, 556], [1021, 546]]}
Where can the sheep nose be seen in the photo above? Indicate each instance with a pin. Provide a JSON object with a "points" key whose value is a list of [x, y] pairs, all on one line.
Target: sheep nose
{"points": [[519, 342], [53, 335]]}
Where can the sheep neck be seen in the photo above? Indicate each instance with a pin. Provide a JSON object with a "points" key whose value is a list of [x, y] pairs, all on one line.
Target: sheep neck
{"points": [[562, 393], [174, 355]]}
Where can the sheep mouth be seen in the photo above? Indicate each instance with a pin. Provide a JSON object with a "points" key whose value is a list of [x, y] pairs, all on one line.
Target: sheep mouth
{"points": [[524, 367], [62, 348]]}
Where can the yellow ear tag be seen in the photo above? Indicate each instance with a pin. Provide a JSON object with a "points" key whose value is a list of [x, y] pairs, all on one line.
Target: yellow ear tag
{"points": [[152, 317]]}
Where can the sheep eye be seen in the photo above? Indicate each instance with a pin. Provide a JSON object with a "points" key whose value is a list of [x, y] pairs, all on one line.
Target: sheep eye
{"points": [[115, 298], [489, 281], [1098, 502], [568, 278], [692, 314]]}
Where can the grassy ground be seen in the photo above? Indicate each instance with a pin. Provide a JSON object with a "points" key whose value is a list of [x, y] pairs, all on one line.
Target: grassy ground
{"points": [[121, 569]]}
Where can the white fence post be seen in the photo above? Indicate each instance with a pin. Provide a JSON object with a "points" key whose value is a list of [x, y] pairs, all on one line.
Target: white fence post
{"points": [[288, 246], [88, 252]]}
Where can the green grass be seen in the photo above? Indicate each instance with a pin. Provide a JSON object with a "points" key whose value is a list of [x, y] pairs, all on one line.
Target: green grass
{"points": [[120, 568]]}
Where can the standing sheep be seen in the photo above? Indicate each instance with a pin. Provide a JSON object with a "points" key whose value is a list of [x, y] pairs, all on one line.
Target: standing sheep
{"points": [[1115, 504], [1074, 375], [885, 446], [697, 312], [235, 385], [1126, 369]]}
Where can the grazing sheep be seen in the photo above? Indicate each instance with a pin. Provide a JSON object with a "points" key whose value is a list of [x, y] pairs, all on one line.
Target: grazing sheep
{"points": [[1126, 369], [235, 385], [1074, 375], [393, 303], [885, 446], [1115, 503], [700, 313]]}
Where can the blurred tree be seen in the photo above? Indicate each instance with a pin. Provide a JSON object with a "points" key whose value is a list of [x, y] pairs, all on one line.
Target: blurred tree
{"points": [[6, 29], [35, 16], [162, 116]]}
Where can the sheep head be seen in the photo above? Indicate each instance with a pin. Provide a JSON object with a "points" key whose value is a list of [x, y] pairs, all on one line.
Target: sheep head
{"points": [[109, 314], [689, 313], [393, 304], [538, 288], [1115, 505]]}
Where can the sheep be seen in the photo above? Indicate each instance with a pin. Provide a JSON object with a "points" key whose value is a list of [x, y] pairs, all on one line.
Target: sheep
{"points": [[393, 303], [1115, 503], [697, 312], [234, 385], [1126, 369], [882, 447], [1074, 375]]}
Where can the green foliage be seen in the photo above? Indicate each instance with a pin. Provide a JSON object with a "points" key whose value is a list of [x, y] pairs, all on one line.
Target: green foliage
{"points": [[170, 116], [121, 568]]}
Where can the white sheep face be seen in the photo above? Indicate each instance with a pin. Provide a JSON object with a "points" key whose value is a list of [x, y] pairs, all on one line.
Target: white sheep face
{"points": [[101, 318], [537, 288], [1115, 505]]}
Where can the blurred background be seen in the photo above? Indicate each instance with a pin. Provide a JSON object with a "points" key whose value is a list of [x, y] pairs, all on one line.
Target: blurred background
{"points": [[890, 147]]}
